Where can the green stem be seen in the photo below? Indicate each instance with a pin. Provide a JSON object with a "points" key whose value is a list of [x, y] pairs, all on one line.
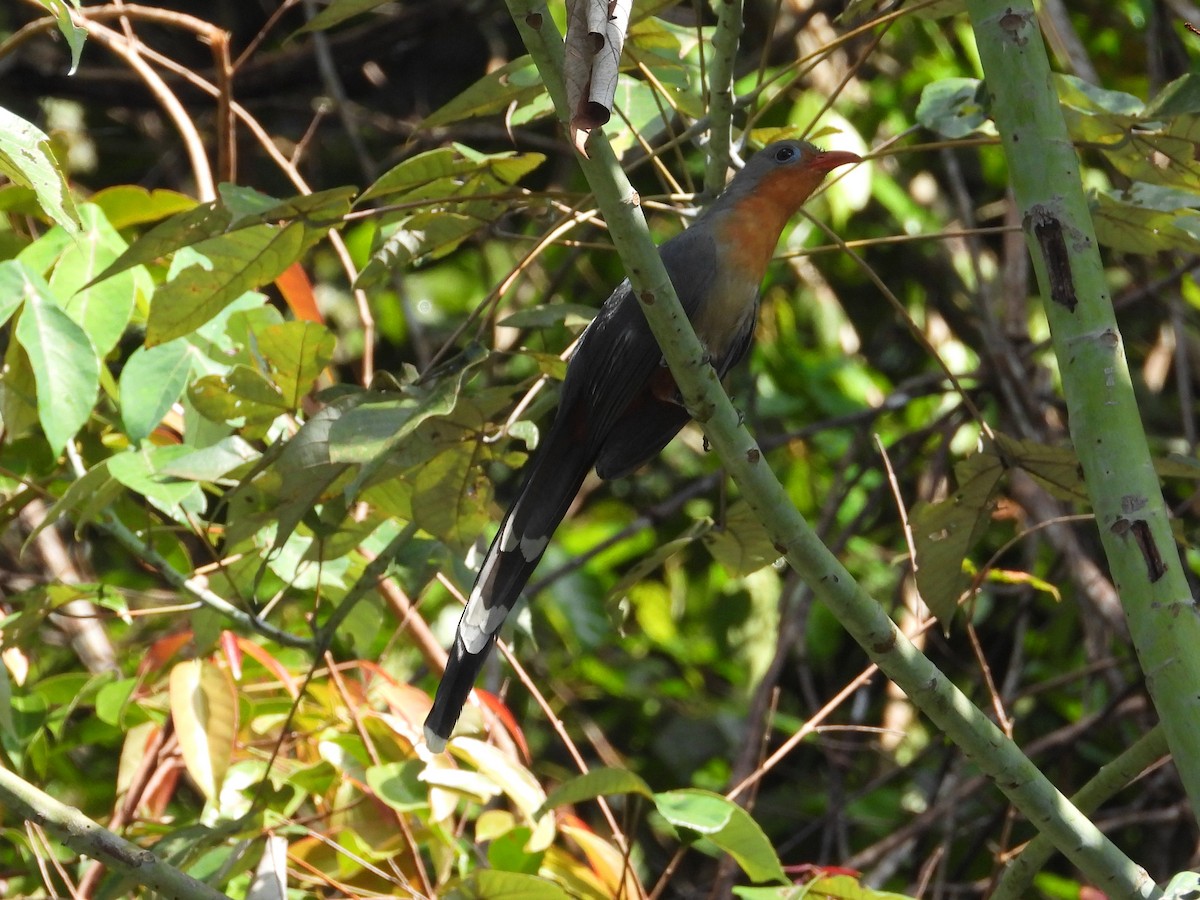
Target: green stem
{"points": [[720, 93], [1112, 777], [949, 709], [1106, 430]]}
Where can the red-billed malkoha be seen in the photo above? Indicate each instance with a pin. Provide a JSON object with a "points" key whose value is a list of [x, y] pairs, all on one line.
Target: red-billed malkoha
{"points": [[619, 405]]}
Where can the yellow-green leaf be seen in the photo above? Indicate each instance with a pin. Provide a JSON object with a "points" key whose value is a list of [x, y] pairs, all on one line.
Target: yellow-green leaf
{"points": [[204, 709]]}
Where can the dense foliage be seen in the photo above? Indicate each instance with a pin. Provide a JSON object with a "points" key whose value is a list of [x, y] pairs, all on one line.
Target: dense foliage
{"points": [[285, 293]]}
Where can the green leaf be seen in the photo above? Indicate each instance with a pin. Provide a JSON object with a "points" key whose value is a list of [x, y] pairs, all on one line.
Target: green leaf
{"points": [[726, 825], [1180, 97], [199, 223], [102, 309], [74, 35], [141, 472], [18, 394], [452, 171], [423, 237], [209, 463], [740, 544], [1054, 468], [492, 884], [337, 12], [1134, 228], [26, 158], [151, 381], [953, 107], [296, 353], [207, 277], [514, 83], [1083, 95], [592, 784], [64, 362], [399, 785], [242, 396], [317, 210], [12, 288], [549, 315]]}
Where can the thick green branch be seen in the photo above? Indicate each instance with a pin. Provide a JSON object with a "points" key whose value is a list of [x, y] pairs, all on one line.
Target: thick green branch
{"points": [[950, 710], [84, 836], [1106, 430]]}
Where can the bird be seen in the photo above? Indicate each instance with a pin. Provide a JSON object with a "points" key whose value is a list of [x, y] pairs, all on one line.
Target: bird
{"points": [[619, 405]]}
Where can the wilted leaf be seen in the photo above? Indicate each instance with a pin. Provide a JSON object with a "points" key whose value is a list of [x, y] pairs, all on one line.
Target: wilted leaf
{"points": [[607, 861], [517, 783], [595, 36]]}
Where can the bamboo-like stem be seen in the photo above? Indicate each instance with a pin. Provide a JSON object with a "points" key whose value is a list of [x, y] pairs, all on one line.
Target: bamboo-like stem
{"points": [[1106, 429], [1017, 879], [949, 709], [720, 93]]}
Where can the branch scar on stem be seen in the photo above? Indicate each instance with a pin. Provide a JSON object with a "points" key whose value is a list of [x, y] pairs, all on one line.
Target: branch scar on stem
{"points": [[1048, 232]]}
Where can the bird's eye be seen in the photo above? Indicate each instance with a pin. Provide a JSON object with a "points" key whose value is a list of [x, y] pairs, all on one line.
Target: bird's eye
{"points": [[783, 154]]}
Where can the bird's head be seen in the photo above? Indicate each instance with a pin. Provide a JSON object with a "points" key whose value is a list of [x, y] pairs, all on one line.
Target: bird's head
{"points": [[787, 172]]}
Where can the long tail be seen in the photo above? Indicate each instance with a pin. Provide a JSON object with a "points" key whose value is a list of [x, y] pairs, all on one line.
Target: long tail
{"points": [[551, 483]]}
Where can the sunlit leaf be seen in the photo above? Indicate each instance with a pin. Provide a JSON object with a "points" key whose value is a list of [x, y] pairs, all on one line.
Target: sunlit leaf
{"points": [[205, 712], [26, 158], [208, 276], [296, 353], [102, 309], [152, 379], [726, 825], [130, 204], [492, 884], [60, 353]]}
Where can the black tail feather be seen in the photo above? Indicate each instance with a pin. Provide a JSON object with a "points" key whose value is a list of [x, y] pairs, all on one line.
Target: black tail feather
{"points": [[461, 671]]}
